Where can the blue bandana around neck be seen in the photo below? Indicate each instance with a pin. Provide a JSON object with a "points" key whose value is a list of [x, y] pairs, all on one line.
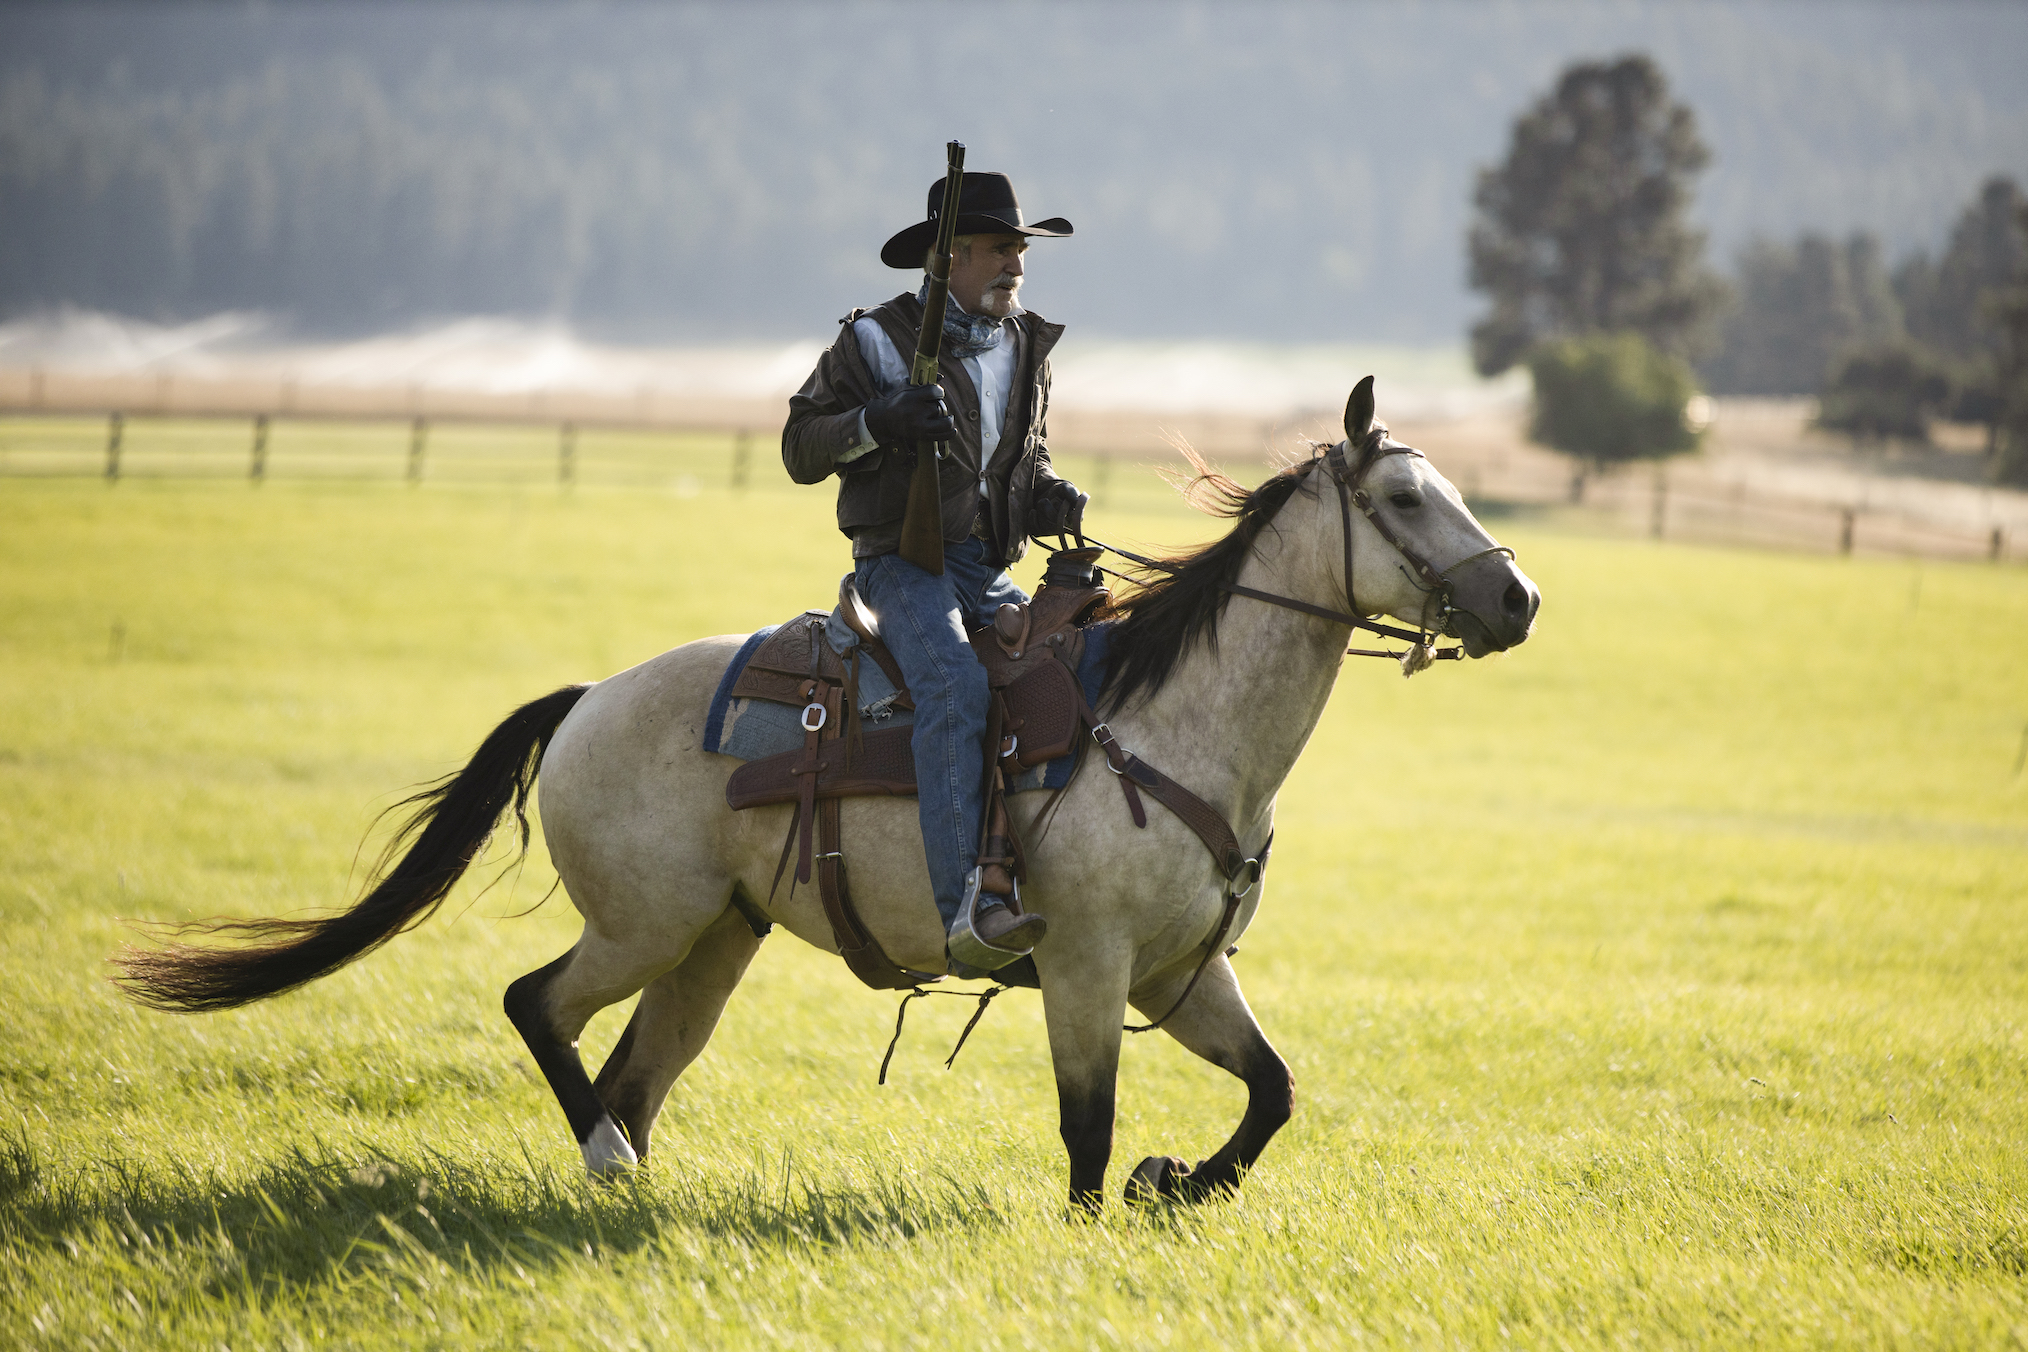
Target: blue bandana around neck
{"points": [[966, 335]]}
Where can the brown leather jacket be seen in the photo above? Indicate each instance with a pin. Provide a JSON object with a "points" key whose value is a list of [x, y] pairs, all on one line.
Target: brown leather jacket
{"points": [[873, 489]]}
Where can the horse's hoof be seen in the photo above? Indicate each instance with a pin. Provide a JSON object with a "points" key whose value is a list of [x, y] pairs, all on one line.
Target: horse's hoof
{"points": [[1154, 1179], [1085, 1206], [606, 1152]]}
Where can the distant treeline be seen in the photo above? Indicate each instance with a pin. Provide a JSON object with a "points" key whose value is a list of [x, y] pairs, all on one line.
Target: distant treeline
{"points": [[1275, 170], [1801, 307]]}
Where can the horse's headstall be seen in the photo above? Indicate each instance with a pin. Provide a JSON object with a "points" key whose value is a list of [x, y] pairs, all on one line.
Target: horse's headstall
{"points": [[1371, 449]]}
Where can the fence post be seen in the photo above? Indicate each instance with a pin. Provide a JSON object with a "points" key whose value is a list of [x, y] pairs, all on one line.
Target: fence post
{"points": [[1997, 544], [1659, 510], [742, 455], [116, 432], [1847, 519], [258, 470], [566, 455], [418, 437]]}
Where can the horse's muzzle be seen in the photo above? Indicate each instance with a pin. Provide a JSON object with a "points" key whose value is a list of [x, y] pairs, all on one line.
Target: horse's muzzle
{"points": [[1493, 605]]}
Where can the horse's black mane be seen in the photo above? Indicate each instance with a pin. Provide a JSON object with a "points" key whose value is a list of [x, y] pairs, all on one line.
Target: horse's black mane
{"points": [[1166, 614]]}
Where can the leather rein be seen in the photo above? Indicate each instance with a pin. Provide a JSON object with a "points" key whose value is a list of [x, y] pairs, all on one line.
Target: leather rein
{"points": [[1242, 874], [1434, 582], [1135, 776]]}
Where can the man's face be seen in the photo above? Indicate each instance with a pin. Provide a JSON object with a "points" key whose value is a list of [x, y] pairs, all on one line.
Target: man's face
{"points": [[985, 280]]}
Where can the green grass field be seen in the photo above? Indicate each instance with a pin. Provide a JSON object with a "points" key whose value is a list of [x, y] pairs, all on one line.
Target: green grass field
{"points": [[1661, 982]]}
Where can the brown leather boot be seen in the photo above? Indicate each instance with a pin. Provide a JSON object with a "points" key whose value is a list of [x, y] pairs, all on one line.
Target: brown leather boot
{"points": [[1002, 928]]}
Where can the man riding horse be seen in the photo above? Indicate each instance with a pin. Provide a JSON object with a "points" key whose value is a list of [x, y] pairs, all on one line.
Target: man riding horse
{"points": [[858, 417], [640, 811]]}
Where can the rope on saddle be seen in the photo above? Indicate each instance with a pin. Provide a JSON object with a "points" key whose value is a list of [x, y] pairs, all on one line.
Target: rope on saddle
{"points": [[984, 998]]}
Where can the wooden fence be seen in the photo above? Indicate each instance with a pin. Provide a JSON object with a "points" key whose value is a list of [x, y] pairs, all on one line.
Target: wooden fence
{"points": [[120, 446], [1734, 502], [1717, 499]]}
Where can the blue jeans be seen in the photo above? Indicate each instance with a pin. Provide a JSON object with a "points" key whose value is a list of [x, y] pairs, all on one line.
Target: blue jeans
{"points": [[923, 621]]}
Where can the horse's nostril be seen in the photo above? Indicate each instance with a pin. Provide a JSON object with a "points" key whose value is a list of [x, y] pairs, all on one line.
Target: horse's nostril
{"points": [[1515, 600]]}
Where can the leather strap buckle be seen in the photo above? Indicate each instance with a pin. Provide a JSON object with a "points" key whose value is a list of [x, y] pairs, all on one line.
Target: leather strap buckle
{"points": [[822, 715], [1252, 869], [1103, 735]]}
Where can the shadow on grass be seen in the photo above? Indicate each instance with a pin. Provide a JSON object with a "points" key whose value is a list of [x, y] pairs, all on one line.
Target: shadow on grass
{"points": [[318, 1216]]}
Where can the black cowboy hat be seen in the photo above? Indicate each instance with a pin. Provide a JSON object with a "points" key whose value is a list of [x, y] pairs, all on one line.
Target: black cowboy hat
{"points": [[986, 206]]}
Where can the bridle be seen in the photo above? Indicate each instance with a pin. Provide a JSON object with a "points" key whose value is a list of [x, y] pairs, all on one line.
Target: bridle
{"points": [[1435, 583], [1207, 821]]}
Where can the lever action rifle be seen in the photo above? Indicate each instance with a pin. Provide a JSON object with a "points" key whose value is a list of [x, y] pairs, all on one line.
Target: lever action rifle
{"points": [[922, 525]]}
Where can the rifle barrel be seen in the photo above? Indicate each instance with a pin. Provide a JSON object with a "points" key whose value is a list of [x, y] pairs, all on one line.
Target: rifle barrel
{"points": [[922, 522], [929, 342]]}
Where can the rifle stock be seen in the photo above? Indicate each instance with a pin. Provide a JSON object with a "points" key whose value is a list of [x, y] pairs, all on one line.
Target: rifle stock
{"points": [[922, 524]]}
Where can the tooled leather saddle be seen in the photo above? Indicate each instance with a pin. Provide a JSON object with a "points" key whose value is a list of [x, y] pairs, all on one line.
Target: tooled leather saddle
{"points": [[1037, 713]]}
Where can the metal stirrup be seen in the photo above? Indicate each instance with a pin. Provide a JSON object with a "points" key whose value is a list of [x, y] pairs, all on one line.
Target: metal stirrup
{"points": [[971, 955]]}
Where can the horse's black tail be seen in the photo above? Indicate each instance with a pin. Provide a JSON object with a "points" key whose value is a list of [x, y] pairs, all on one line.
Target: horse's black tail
{"points": [[437, 843]]}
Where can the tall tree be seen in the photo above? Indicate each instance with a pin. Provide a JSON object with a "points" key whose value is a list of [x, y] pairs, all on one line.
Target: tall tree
{"points": [[1945, 301], [1952, 305], [1799, 308], [1581, 230], [2008, 309]]}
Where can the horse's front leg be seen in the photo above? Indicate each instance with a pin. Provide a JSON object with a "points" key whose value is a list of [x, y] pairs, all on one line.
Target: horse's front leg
{"points": [[1216, 1024], [1083, 1004]]}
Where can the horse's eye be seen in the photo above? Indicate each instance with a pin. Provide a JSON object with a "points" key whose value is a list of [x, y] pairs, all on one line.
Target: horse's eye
{"points": [[1404, 500]]}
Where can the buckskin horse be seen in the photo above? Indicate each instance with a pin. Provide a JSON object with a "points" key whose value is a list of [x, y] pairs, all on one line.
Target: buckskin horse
{"points": [[1217, 670]]}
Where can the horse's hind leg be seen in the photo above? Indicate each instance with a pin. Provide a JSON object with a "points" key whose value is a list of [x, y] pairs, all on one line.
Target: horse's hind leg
{"points": [[675, 1018], [1216, 1024], [550, 1007]]}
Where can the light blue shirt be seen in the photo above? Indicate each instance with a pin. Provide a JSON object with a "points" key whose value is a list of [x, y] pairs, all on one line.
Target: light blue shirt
{"points": [[992, 375]]}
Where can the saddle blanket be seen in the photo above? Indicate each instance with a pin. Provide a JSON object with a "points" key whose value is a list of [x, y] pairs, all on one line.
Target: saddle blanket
{"points": [[750, 729]]}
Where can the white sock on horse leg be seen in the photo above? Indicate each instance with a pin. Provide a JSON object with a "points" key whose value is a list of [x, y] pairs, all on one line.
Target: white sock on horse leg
{"points": [[606, 1150]]}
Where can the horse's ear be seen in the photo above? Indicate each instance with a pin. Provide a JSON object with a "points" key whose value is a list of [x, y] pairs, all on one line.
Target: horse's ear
{"points": [[1359, 413]]}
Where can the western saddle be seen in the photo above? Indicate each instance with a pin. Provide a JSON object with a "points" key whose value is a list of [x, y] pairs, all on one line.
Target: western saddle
{"points": [[1031, 654], [1038, 713]]}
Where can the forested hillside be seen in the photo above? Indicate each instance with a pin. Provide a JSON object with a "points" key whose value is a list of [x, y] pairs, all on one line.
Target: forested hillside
{"points": [[1272, 171]]}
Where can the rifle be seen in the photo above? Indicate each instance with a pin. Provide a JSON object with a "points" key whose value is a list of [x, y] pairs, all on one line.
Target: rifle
{"points": [[922, 525]]}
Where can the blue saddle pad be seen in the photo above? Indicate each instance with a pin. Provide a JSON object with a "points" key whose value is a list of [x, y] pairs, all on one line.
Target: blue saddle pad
{"points": [[748, 729]]}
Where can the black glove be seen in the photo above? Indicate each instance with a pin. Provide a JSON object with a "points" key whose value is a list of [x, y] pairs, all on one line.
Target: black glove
{"points": [[911, 413], [1058, 510]]}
